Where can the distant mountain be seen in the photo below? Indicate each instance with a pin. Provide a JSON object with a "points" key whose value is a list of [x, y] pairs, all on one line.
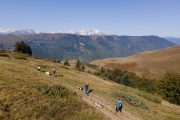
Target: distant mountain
{"points": [[73, 46], [90, 32], [17, 32], [30, 31], [174, 40]]}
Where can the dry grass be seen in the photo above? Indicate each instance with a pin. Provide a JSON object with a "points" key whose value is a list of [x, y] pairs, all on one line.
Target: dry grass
{"points": [[26, 94], [20, 97], [151, 63]]}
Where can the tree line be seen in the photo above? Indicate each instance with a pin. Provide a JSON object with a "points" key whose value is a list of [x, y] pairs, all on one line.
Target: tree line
{"points": [[168, 86]]}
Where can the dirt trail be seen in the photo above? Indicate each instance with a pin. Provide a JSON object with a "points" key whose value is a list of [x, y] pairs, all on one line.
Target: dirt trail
{"points": [[107, 109]]}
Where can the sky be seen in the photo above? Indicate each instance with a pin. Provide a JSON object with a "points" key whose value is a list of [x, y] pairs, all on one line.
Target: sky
{"points": [[120, 17]]}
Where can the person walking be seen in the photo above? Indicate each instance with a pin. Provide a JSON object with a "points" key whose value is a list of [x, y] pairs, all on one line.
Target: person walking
{"points": [[119, 105], [86, 87], [54, 71]]}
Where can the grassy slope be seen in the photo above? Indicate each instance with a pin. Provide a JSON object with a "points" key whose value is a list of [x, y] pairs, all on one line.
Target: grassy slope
{"points": [[147, 63], [18, 90], [21, 100]]}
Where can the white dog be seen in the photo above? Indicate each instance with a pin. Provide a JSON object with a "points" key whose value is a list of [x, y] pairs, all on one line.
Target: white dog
{"points": [[98, 105], [47, 73], [38, 68]]}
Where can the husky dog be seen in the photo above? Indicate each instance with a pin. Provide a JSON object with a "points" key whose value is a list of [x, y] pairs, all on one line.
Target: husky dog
{"points": [[98, 105], [80, 88]]}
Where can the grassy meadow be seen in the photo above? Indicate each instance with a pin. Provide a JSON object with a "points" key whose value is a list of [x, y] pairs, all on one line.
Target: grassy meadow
{"points": [[26, 93]]}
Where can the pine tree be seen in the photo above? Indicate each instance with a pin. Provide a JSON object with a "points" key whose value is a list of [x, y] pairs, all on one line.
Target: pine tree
{"points": [[22, 47], [78, 65]]}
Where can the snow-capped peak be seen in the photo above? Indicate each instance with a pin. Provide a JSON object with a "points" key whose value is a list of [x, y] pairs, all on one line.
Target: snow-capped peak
{"points": [[17, 32], [6, 31], [90, 32], [30, 31], [25, 31], [83, 32]]}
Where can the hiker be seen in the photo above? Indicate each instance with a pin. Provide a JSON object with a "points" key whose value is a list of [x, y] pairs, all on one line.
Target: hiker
{"points": [[119, 105], [38, 68], [86, 91], [54, 71]]}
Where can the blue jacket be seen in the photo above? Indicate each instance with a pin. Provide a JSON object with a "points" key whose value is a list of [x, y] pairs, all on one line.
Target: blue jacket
{"points": [[118, 104]]}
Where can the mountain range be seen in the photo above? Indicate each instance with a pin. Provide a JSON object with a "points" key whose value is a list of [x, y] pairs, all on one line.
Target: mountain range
{"points": [[17, 32], [92, 31], [84, 47]]}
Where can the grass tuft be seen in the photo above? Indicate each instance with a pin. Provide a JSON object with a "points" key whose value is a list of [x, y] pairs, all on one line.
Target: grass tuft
{"points": [[55, 90], [133, 100]]}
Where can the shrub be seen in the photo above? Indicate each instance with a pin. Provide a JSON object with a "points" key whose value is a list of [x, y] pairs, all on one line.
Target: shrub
{"points": [[133, 100], [22, 47], [56, 61], [55, 90], [92, 66], [125, 80], [136, 102], [170, 87], [66, 63]]}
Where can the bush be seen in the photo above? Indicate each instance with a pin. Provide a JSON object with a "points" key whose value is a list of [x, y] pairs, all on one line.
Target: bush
{"points": [[92, 66], [22, 47], [66, 63], [125, 80], [56, 61], [133, 100], [55, 90], [170, 87], [136, 102]]}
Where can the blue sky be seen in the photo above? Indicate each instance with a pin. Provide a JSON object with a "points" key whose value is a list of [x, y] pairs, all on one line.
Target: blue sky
{"points": [[121, 17]]}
